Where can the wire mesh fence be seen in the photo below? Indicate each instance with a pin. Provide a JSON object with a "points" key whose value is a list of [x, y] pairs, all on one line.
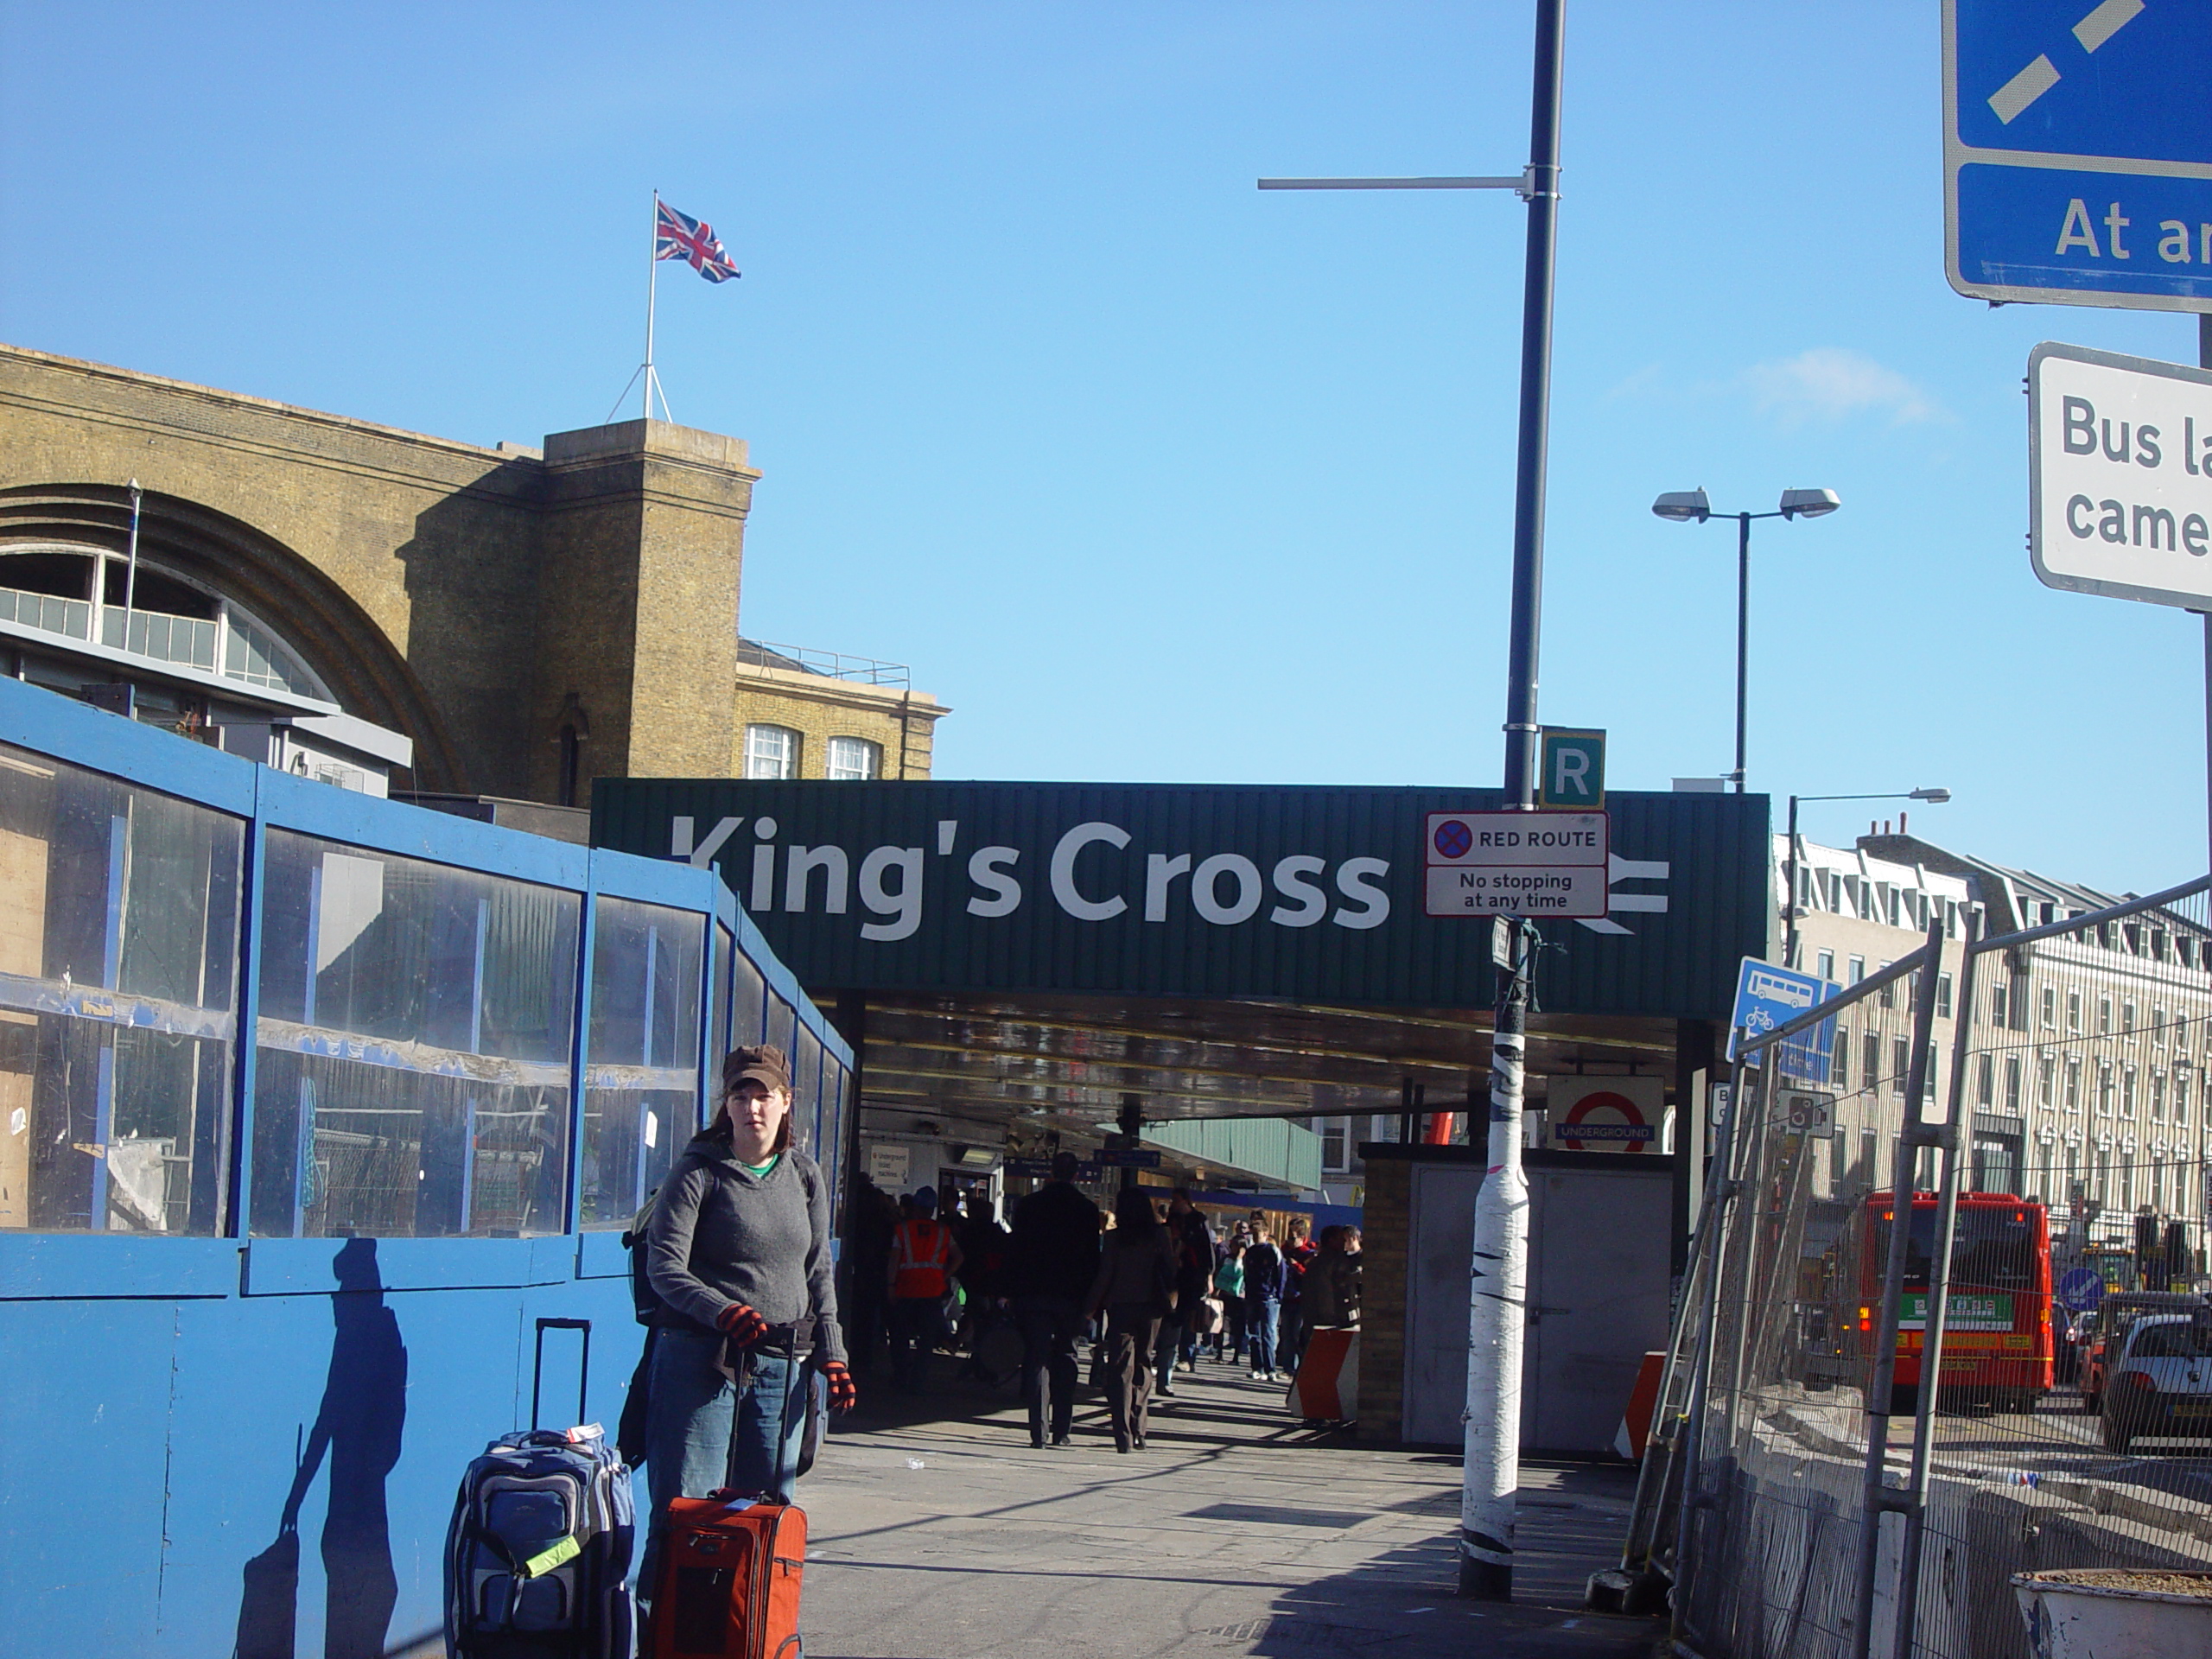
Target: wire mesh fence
{"points": [[1946, 1319]]}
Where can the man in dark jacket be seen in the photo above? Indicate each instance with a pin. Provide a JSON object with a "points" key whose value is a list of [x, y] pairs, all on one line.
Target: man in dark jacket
{"points": [[1050, 1266]]}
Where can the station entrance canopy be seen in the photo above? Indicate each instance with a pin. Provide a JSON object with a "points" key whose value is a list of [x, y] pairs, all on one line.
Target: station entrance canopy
{"points": [[1047, 949]]}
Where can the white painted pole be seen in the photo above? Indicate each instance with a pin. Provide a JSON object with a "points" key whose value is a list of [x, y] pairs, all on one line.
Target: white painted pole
{"points": [[1497, 1293], [652, 292]]}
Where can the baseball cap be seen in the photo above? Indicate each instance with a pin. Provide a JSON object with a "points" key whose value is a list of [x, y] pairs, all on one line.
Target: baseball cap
{"points": [[765, 1064]]}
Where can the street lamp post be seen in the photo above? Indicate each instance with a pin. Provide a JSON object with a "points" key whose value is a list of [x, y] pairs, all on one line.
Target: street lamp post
{"points": [[1687, 506], [1935, 797]]}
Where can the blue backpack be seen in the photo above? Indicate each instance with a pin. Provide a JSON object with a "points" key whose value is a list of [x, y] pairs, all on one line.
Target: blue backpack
{"points": [[537, 1557]]}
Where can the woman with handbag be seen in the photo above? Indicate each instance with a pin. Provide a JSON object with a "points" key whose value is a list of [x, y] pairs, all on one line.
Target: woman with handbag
{"points": [[1135, 1287], [737, 1250]]}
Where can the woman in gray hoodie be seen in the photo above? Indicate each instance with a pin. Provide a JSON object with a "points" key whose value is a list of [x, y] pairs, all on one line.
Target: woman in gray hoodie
{"points": [[738, 1250]]}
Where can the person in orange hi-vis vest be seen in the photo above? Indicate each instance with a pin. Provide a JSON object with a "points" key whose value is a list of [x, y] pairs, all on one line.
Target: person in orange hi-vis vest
{"points": [[924, 1258]]}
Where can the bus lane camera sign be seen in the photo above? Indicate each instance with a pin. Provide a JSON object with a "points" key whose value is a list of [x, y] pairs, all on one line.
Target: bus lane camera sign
{"points": [[2119, 476], [1531, 864]]}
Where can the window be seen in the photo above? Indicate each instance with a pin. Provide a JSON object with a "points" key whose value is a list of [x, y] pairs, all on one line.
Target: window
{"points": [[641, 1080], [2073, 1082], [2012, 1084], [1934, 1070], [2104, 1016], [2159, 1026], [1900, 1064], [1857, 965], [771, 752], [413, 1065], [2050, 1007], [1943, 996], [1984, 1080], [1872, 1051], [1825, 964], [2127, 1018], [1840, 1062], [1887, 995], [2157, 1097], [2047, 1082], [2181, 1100], [2104, 1090], [2181, 1030], [119, 947], [2074, 1012], [1334, 1157], [2127, 1091], [1997, 999], [855, 760]]}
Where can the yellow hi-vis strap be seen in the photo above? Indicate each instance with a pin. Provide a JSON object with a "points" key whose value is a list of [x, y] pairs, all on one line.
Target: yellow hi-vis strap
{"points": [[546, 1561]]}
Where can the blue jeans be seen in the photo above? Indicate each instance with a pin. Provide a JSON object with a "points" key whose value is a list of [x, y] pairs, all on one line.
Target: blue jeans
{"points": [[699, 1438], [1260, 1316]]}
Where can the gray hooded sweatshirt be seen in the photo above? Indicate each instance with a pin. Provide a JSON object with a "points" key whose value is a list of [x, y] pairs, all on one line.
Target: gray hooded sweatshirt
{"points": [[721, 1235]]}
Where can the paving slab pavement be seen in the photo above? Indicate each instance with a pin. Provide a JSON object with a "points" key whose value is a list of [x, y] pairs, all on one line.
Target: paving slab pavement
{"points": [[939, 1533]]}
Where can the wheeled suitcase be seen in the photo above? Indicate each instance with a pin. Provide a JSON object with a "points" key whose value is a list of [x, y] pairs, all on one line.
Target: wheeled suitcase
{"points": [[731, 1567], [537, 1557]]}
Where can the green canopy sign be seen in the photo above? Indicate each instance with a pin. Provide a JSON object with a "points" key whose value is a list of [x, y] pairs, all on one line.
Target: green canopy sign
{"points": [[1314, 894]]}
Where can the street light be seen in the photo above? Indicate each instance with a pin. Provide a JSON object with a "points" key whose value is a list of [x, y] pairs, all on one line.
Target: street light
{"points": [[1933, 796], [1690, 507]]}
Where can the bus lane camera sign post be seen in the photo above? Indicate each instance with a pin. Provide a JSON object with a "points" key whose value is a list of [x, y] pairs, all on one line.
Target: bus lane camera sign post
{"points": [[2119, 476], [1531, 864]]}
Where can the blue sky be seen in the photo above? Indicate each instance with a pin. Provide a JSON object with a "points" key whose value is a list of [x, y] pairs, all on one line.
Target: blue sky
{"points": [[1149, 475]]}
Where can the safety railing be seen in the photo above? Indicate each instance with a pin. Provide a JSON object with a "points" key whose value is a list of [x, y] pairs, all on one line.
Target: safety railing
{"points": [[1942, 1322]]}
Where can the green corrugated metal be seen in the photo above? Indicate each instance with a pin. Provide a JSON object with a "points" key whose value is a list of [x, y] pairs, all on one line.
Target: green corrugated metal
{"points": [[1269, 1148], [1681, 963]]}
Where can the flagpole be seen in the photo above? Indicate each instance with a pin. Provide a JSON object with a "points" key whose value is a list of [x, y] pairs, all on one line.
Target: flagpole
{"points": [[653, 290]]}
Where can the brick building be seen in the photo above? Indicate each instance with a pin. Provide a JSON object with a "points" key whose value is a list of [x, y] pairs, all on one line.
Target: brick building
{"points": [[362, 603]]}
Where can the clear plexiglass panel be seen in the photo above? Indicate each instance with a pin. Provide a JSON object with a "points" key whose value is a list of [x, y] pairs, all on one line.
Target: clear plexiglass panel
{"points": [[641, 1061], [118, 954], [412, 1069]]}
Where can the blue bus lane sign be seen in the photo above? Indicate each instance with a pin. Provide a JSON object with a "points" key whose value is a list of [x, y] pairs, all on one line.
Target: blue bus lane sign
{"points": [[1767, 996], [2077, 152]]}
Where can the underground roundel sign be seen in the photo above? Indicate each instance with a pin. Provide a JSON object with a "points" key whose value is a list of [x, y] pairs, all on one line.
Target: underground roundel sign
{"points": [[1606, 1114]]}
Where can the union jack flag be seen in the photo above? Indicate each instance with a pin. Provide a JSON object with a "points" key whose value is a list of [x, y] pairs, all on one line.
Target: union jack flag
{"points": [[678, 236]]}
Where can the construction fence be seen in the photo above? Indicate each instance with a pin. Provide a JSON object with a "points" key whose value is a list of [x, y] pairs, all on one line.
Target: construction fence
{"points": [[1878, 1409]]}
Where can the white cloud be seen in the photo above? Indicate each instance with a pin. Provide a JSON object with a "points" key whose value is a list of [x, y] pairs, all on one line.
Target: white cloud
{"points": [[1831, 383]]}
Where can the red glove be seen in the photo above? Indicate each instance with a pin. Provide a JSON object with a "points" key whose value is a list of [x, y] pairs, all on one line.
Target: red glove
{"points": [[844, 1395], [741, 1324]]}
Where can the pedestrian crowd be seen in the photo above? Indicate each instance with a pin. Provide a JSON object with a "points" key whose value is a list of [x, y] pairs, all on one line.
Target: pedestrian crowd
{"points": [[1151, 1295]]}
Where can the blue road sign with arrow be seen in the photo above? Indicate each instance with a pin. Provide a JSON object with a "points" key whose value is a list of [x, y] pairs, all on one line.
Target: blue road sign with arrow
{"points": [[2077, 151], [2079, 1289]]}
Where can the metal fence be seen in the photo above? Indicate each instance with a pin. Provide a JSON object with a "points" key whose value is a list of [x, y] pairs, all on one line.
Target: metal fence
{"points": [[2042, 1100]]}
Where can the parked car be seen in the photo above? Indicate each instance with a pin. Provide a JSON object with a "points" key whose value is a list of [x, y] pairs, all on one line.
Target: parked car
{"points": [[2161, 1382], [2110, 1321]]}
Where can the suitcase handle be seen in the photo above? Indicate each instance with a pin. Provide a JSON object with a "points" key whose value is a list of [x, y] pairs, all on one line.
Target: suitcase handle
{"points": [[537, 1368]]}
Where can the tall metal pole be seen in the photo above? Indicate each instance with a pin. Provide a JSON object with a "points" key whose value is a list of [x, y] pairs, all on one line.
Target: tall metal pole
{"points": [[1875, 1496], [1542, 189], [2204, 361], [1789, 901], [1743, 635], [1499, 1269], [652, 293]]}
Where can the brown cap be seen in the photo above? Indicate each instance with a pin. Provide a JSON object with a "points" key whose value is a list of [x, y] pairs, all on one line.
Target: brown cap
{"points": [[764, 1066]]}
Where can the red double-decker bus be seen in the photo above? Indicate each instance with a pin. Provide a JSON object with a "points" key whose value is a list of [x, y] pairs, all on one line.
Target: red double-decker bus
{"points": [[1997, 1336]]}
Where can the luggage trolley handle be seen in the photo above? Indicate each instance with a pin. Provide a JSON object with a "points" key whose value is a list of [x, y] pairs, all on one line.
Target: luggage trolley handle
{"points": [[792, 1375], [538, 1369]]}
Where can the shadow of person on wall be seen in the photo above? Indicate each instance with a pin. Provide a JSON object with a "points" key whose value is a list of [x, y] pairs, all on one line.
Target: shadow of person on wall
{"points": [[357, 1430]]}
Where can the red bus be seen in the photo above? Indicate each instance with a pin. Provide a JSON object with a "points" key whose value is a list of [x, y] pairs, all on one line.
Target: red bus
{"points": [[1997, 1336]]}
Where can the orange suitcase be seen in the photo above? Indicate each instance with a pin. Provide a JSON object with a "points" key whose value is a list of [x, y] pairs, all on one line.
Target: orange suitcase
{"points": [[730, 1567]]}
